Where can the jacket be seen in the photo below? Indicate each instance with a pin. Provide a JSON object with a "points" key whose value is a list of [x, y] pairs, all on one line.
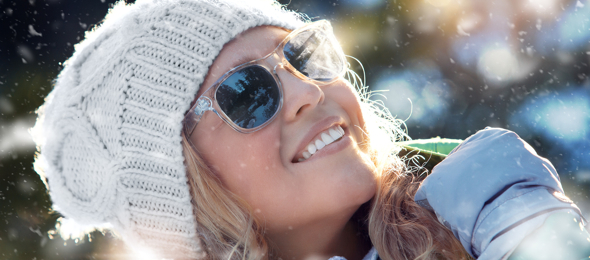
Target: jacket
{"points": [[495, 193]]}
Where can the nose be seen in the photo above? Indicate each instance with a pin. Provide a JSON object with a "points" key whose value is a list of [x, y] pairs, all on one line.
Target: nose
{"points": [[299, 96]]}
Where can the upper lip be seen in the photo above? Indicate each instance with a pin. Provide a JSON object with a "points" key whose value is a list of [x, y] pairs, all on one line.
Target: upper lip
{"points": [[315, 130]]}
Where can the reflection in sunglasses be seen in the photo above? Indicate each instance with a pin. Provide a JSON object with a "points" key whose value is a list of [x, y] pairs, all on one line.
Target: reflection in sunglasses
{"points": [[249, 97]]}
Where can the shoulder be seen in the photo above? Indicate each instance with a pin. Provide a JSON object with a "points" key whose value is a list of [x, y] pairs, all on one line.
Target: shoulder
{"points": [[494, 140], [492, 183], [494, 154]]}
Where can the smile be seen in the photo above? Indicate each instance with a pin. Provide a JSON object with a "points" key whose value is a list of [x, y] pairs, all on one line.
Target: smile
{"points": [[324, 139]]}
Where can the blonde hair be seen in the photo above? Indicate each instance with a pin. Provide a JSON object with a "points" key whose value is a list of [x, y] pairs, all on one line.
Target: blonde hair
{"points": [[398, 227], [225, 223]]}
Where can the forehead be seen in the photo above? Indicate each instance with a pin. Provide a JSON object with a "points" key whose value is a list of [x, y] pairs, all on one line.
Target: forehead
{"points": [[251, 44]]}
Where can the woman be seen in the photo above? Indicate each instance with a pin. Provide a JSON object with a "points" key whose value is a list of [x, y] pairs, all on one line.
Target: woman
{"points": [[225, 130]]}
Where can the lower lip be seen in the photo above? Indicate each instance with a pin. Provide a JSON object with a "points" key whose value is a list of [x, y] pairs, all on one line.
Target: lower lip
{"points": [[332, 148]]}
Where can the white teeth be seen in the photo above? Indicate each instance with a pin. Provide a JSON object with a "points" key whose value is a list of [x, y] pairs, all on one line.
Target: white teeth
{"points": [[334, 134], [319, 144], [327, 139], [311, 148]]}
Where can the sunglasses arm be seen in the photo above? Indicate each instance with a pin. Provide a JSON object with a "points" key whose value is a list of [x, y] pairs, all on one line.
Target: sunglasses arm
{"points": [[194, 115]]}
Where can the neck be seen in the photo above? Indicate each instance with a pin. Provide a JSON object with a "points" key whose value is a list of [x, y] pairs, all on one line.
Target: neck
{"points": [[320, 241]]}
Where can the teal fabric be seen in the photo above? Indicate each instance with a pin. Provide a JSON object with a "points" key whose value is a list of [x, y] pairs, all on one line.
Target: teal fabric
{"points": [[437, 145], [428, 152]]}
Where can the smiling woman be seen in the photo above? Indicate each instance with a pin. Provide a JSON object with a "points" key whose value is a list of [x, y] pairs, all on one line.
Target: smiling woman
{"points": [[223, 129], [296, 201]]}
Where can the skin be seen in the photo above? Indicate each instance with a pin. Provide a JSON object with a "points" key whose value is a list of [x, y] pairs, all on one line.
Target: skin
{"points": [[306, 207]]}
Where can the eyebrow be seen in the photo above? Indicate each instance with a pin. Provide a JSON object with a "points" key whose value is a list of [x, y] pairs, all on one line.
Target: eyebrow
{"points": [[249, 57]]}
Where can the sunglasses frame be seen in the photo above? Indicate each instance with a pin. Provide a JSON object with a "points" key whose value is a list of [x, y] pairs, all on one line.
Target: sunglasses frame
{"points": [[208, 100]]}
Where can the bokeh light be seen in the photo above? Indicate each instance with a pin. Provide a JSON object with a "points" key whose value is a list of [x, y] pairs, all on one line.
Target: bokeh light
{"points": [[439, 3], [498, 65], [15, 138], [541, 7], [364, 4], [418, 93], [467, 23], [562, 116], [574, 26]]}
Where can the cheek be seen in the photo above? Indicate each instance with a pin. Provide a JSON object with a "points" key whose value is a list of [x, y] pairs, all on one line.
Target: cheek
{"points": [[346, 97], [257, 152], [353, 104], [243, 162]]}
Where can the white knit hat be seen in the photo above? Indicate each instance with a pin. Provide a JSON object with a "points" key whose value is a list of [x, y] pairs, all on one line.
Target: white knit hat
{"points": [[109, 132]]}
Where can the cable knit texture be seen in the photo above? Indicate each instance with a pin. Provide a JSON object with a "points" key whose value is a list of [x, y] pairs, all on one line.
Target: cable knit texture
{"points": [[109, 132]]}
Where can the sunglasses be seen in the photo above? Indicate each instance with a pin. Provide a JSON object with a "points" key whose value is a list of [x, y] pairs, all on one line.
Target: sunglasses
{"points": [[249, 96]]}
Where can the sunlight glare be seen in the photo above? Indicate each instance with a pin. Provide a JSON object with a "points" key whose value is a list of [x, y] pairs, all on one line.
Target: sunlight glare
{"points": [[69, 229], [439, 3], [568, 119], [542, 7]]}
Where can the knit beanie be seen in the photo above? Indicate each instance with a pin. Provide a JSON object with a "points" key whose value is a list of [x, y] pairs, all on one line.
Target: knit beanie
{"points": [[109, 132]]}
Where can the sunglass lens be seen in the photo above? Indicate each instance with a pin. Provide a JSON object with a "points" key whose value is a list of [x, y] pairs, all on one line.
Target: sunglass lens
{"points": [[316, 54], [249, 97]]}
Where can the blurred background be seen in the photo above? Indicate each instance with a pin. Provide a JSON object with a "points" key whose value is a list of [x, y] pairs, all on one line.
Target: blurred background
{"points": [[450, 67]]}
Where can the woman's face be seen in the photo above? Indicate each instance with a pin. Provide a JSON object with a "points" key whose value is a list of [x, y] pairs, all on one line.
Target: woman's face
{"points": [[262, 167]]}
